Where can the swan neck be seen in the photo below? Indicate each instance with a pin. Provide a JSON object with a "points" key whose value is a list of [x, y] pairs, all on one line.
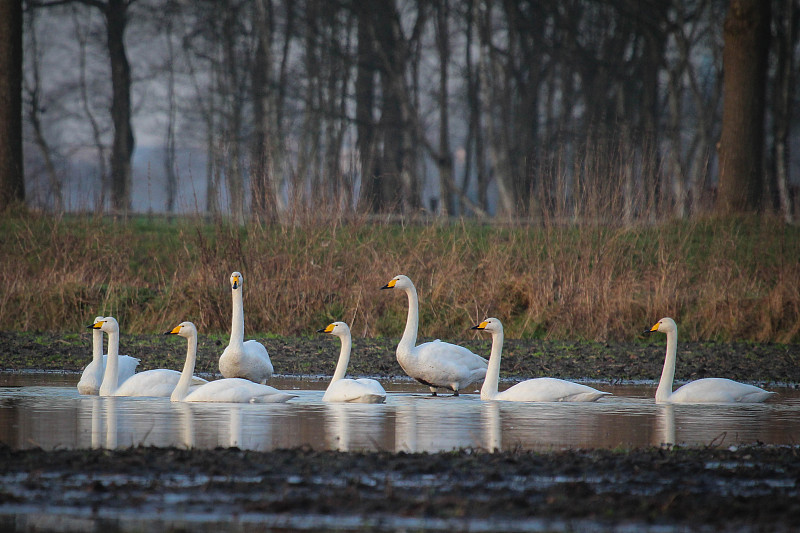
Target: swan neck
{"points": [[182, 388], [409, 339], [237, 323], [344, 358], [490, 382], [668, 374], [111, 376], [97, 345]]}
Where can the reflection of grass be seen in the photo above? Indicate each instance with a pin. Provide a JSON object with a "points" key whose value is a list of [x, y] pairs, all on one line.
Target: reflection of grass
{"points": [[720, 279]]}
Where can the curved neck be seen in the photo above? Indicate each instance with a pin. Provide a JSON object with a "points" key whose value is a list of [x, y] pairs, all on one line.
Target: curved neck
{"points": [[237, 324], [668, 374], [111, 376], [97, 345], [344, 358], [409, 339], [182, 388], [489, 388]]}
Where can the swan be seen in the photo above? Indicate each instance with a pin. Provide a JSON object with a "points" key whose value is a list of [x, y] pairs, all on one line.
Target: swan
{"points": [[229, 390], [707, 390], [436, 364], [93, 372], [248, 360], [362, 390], [159, 382], [532, 390]]}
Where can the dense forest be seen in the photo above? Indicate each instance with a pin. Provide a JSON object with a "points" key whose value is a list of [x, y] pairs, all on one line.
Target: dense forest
{"points": [[551, 110]]}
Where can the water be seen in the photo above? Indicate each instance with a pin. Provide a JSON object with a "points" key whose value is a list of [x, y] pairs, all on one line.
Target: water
{"points": [[45, 410]]}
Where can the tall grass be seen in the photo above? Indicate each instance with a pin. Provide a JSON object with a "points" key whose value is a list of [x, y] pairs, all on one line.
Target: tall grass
{"points": [[721, 279]]}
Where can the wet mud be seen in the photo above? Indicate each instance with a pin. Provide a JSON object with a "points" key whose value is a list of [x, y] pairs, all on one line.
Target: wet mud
{"points": [[737, 489]]}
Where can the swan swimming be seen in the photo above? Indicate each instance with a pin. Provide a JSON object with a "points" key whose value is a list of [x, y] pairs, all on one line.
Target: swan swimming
{"points": [[92, 375], [706, 390], [363, 390], [228, 390], [532, 390], [248, 360], [436, 364], [159, 382]]}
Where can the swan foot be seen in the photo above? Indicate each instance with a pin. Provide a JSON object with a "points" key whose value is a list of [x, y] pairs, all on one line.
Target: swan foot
{"points": [[455, 393], [433, 393]]}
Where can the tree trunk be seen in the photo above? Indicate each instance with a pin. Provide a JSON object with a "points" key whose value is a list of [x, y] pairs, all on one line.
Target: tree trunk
{"points": [[365, 103], [12, 178], [741, 145], [444, 160], [122, 149], [787, 33]]}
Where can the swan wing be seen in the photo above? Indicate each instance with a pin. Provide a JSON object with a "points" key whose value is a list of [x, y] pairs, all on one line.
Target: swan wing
{"points": [[719, 390], [252, 362], [549, 390], [236, 390], [355, 391], [127, 366], [91, 378], [447, 365], [158, 382]]}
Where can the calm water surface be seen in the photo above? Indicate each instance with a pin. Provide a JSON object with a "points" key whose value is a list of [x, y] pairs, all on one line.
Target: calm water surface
{"points": [[45, 410]]}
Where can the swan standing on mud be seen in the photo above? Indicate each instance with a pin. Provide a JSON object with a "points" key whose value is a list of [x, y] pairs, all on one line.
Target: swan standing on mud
{"points": [[532, 390], [706, 390], [227, 390], [248, 360], [159, 382], [362, 390], [92, 375], [437, 364]]}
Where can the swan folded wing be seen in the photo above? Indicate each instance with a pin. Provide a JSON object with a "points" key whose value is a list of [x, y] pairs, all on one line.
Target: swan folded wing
{"points": [[719, 390], [92, 376], [127, 366], [236, 390], [252, 363], [550, 390], [443, 364], [159, 382], [362, 390]]}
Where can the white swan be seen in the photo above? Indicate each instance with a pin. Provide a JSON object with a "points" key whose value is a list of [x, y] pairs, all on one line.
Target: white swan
{"points": [[228, 390], [159, 382], [436, 364], [707, 390], [362, 390], [92, 375], [532, 390], [248, 360]]}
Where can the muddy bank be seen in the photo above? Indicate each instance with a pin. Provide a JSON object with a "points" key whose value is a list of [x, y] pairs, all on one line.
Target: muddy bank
{"points": [[749, 488], [316, 355]]}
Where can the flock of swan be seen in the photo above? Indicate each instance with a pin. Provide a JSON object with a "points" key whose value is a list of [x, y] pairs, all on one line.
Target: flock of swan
{"points": [[246, 367]]}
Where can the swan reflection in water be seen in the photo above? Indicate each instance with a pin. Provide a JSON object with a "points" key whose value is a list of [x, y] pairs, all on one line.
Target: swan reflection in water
{"points": [[354, 427], [665, 425]]}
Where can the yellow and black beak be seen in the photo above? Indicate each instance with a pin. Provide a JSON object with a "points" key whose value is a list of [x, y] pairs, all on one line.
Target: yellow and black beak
{"points": [[96, 325], [173, 331], [327, 329], [235, 284], [482, 325], [390, 285], [651, 330]]}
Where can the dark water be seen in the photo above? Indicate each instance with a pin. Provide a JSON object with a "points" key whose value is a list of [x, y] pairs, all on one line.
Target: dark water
{"points": [[45, 410]]}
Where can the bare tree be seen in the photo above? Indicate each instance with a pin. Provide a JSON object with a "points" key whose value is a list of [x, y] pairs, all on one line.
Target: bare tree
{"points": [[741, 143], [12, 181]]}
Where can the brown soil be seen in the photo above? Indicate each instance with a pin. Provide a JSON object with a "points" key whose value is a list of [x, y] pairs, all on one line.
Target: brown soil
{"points": [[763, 363]]}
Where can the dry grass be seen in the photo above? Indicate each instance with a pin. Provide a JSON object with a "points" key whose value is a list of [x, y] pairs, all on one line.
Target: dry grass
{"points": [[730, 279]]}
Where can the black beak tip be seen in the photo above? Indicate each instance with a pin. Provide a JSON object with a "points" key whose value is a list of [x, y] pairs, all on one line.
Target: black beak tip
{"points": [[90, 327], [647, 331], [167, 333], [321, 330], [476, 327], [386, 287]]}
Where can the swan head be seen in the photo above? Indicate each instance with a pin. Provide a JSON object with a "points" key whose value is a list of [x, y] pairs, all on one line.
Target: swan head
{"points": [[335, 328], [184, 329], [665, 325], [491, 325], [399, 282], [236, 280], [108, 324]]}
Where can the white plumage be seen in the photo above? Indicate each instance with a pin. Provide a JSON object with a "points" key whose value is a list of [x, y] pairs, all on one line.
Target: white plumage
{"points": [[159, 382], [92, 375], [226, 390], [248, 360], [707, 390], [532, 390], [341, 389], [436, 364]]}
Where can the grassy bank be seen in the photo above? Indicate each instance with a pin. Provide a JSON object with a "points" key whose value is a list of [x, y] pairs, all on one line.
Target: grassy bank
{"points": [[731, 279]]}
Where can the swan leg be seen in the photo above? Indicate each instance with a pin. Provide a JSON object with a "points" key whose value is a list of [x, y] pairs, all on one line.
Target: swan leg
{"points": [[433, 391], [455, 392]]}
